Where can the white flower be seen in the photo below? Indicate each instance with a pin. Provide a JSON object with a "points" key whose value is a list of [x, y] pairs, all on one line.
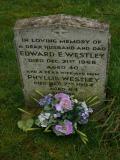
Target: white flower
{"points": [[44, 119], [57, 115], [47, 115], [84, 105], [75, 100]]}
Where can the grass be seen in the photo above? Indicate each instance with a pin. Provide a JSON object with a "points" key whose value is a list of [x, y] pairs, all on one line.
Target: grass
{"points": [[103, 139]]}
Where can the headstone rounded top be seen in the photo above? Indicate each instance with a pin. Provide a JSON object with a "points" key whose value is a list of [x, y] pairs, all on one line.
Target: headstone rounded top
{"points": [[60, 19], [62, 53]]}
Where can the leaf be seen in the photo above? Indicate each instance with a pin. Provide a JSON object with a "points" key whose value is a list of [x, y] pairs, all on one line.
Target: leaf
{"points": [[22, 110], [84, 140], [98, 102], [32, 129], [47, 108], [35, 99], [29, 123], [25, 124], [75, 126], [47, 129], [82, 135], [37, 122], [20, 124], [94, 98], [38, 92], [88, 99], [92, 101]]}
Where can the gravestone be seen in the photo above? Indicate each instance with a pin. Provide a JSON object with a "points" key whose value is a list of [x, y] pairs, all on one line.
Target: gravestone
{"points": [[62, 53]]}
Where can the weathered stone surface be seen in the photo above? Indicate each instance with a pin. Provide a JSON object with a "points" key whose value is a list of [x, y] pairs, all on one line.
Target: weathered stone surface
{"points": [[62, 53]]}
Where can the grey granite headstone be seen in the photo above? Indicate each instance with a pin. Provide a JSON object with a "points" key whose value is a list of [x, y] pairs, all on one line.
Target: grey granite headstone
{"points": [[62, 53]]}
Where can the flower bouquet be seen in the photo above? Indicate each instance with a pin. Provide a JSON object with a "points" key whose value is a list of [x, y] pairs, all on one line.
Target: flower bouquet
{"points": [[60, 113]]}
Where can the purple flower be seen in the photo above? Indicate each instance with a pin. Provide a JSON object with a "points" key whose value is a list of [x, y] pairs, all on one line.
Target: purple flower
{"points": [[64, 105], [58, 129], [58, 107], [83, 117], [84, 113], [65, 129], [69, 127], [60, 96], [45, 100]]}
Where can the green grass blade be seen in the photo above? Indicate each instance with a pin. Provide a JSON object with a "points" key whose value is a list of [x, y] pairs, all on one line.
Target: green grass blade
{"points": [[22, 110], [98, 102], [32, 129], [38, 92], [93, 99], [35, 99]]}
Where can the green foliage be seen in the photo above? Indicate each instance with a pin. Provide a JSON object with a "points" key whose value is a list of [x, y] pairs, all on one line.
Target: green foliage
{"points": [[25, 124], [81, 134]]}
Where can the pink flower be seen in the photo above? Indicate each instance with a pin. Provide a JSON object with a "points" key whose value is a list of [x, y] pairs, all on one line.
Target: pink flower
{"points": [[63, 129], [58, 107], [64, 105], [69, 127], [60, 96]]}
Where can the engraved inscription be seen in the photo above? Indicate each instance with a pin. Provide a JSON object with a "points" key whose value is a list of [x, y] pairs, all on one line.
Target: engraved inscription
{"points": [[74, 60]]}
